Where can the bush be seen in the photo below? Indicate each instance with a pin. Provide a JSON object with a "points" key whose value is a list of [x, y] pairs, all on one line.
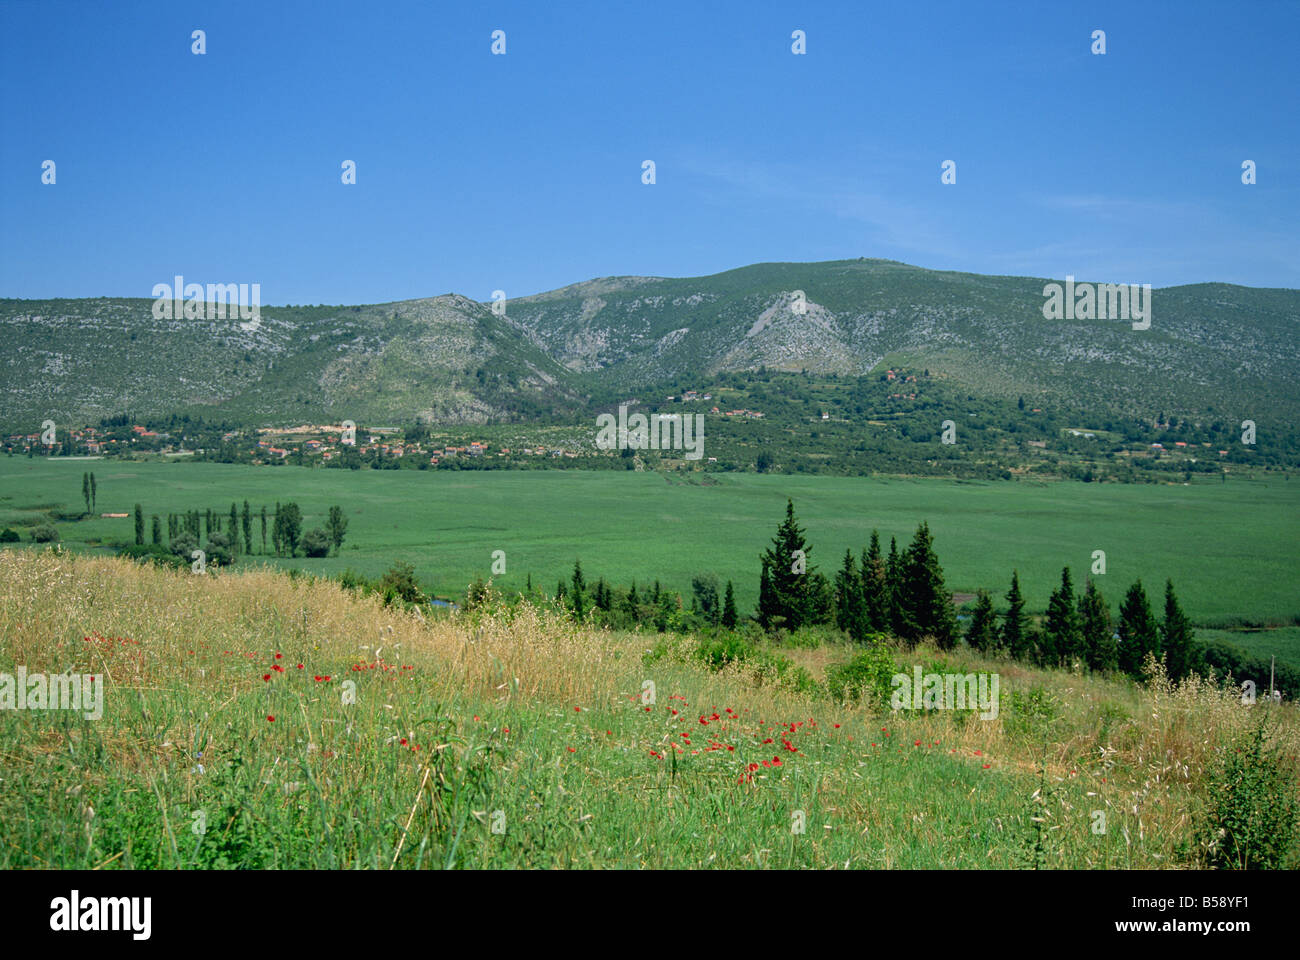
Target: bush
{"points": [[9, 536], [184, 544], [399, 584], [720, 651], [316, 543], [153, 553], [220, 552], [45, 533], [867, 676], [1251, 820]]}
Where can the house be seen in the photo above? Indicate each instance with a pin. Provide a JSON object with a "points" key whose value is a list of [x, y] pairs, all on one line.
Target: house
{"points": [[825, 415], [1179, 443]]}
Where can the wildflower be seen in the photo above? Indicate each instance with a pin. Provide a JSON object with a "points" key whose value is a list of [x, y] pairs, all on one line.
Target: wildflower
{"points": [[572, 750], [270, 719], [266, 676]]}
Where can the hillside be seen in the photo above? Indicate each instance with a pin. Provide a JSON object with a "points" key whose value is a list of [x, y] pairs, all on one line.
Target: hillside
{"points": [[1211, 347], [281, 723]]}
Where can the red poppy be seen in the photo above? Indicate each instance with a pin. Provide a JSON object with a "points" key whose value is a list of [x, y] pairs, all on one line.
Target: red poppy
{"points": [[279, 655], [266, 676], [270, 719]]}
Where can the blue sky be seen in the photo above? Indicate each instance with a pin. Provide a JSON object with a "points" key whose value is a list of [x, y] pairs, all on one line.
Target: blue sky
{"points": [[523, 172]]}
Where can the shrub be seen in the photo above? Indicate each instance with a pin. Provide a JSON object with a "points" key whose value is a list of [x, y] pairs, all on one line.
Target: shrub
{"points": [[219, 552], [9, 536], [399, 584], [45, 533], [316, 543], [183, 544], [868, 676], [1251, 817], [153, 553]]}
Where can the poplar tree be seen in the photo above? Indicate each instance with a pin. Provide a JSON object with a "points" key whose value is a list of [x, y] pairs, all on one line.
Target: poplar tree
{"points": [[139, 525]]}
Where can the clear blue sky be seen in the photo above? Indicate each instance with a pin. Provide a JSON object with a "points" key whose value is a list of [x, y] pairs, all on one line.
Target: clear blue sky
{"points": [[523, 172]]}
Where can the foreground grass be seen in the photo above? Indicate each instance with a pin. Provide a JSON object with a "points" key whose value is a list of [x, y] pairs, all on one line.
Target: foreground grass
{"points": [[519, 739]]}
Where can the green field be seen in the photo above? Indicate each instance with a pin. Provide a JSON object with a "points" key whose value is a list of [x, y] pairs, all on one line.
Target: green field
{"points": [[1231, 549]]}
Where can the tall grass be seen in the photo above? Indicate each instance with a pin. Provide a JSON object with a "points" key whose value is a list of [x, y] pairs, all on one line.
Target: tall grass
{"points": [[514, 737]]}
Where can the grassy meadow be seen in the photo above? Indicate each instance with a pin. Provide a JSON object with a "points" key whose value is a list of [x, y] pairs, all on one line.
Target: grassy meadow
{"points": [[518, 739], [1232, 549]]}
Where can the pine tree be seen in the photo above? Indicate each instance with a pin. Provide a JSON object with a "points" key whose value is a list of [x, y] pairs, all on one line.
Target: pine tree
{"points": [[1177, 637], [139, 525], [1138, 632], [1099, 649], [729, 618], [793, 593], [982, 634], [632, 604], [874, 603], [1015, 623], [926, 605], [1061, 638]]}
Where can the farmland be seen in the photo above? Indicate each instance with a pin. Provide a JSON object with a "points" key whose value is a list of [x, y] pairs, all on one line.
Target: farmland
{"points": [[1231, 549]]}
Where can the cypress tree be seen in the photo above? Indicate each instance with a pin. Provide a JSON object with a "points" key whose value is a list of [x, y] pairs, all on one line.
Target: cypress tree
{"points": [[632, 603], [1015, 624], [93, 491], [1099, 649], [579, 583], [1177, 637], [728, 607], [248, 529], [1138, 631], [264, 528], [766, 600], [234, 529], [894, 589], [157, 530], [1061, 638], [85, 490], [848, 598], [982, 634], [139, 525]]}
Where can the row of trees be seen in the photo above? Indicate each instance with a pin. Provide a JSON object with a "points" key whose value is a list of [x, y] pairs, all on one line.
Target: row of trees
{"points": [[904, 594], [185, 531], [1079, 630]]}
